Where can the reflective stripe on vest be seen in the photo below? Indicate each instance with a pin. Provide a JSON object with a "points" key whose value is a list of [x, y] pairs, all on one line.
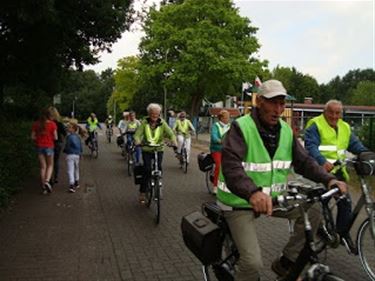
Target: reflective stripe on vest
{"points": [[269, 174], [266, 167]]}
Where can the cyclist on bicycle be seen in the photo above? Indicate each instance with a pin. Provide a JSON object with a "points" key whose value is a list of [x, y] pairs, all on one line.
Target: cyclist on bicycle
{"points": [[327, 138], [217, 133], [130, 127], [153, 131], [92, 125], [109, 122], [183, 127], [257, 154]]}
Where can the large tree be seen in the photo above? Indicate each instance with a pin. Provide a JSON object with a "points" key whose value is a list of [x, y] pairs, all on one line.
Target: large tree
{"points": [[342, 88], [87, 91], [363, 94], [198, 49], [126, 83], [298, 85], [40, 38]]}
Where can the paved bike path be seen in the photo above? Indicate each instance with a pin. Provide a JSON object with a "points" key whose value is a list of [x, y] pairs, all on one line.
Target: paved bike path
{"points": [[102, 233]]}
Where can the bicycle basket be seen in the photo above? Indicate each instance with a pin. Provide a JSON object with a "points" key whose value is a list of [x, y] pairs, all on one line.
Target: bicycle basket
{"points": [[203, 237], [205, 161], [365, 164]]}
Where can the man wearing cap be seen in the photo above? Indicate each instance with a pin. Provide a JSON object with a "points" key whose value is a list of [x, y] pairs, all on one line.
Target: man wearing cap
{"points": [[258, 152]]}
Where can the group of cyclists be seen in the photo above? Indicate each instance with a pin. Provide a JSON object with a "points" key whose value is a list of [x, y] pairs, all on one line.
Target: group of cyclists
{"points": [[148, 135], [257, 153]]}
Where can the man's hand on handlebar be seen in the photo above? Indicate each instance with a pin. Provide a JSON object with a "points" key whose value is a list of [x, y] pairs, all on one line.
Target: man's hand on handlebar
{"points": [[261, 203], [328, 166], [340, 184]]}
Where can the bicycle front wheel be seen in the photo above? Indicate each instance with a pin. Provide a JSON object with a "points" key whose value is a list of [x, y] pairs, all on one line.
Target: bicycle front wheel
{"points": [[157, 201], [184, 160], [149, 194], [96, 150], [366, 248], [130, 165]]}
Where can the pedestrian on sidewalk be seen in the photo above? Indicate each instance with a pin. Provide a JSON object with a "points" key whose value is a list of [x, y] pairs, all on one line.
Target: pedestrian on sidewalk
{"points": [[44, 134], [73, 150], [61, 133]]}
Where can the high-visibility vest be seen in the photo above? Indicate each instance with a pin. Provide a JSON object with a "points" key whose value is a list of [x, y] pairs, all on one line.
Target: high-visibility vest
{"points": [[93, 124], [182, 126], [271, 175], [153, 137], [132, 126], [333, 144], [222, 130]]}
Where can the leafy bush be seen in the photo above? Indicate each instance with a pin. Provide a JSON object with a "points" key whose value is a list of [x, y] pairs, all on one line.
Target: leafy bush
{"points": [[17, 157], [366, 133]]}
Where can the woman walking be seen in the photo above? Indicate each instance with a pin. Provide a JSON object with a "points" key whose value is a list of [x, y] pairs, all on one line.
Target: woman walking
{"points": [[44, 134], [61, 133]]}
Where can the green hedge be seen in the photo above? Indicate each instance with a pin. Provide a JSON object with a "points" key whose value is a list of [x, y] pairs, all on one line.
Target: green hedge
{"points": [[18, 159]]}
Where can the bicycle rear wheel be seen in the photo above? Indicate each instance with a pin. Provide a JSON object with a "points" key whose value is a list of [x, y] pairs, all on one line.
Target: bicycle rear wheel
{"points": [[224, 269], [156, 199], [209, 183], [366, 248]]}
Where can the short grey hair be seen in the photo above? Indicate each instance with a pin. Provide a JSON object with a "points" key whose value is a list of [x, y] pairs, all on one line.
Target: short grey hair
{"points": [[333, 101], [153, 106]]}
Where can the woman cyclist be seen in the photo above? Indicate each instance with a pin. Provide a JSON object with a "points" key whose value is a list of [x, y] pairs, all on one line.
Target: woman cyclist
{"points": [[152, 131]]}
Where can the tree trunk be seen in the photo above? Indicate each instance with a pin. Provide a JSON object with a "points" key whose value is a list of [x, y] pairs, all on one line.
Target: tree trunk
{"points": [[196, 102]]}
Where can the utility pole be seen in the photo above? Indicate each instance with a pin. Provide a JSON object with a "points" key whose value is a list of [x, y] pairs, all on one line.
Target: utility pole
{"points": [[165, 87]]}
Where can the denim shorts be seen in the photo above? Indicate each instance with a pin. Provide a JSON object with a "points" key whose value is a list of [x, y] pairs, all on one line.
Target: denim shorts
{"points": [[45, 150]]}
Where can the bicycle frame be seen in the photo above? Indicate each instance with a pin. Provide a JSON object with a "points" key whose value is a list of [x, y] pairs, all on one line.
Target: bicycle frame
{"points": [[155, 185], [364, 200]]}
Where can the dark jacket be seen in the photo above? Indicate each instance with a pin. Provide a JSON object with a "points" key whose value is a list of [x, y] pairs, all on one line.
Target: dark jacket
{"points": [[234, 151]]}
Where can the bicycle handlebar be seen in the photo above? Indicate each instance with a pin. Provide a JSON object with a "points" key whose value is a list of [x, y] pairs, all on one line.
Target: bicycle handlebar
{"points": [[284, 202]]}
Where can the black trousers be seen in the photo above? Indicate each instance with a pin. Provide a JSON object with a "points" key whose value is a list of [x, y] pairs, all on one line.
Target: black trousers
{"points": [[147, 163], [344, 210]]}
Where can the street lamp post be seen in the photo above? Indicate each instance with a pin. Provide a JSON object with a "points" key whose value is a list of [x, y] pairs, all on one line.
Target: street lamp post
{"points": [[73, 109], [165, 86]]}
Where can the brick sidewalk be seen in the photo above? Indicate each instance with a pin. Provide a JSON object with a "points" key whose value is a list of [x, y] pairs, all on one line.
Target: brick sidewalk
{"points": [[102, 233]]}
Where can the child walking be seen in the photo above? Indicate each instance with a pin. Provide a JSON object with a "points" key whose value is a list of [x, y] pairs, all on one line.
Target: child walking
{"points": [[73, 150]]}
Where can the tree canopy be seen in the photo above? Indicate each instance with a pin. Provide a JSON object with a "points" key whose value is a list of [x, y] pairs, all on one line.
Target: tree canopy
{"points": [[38, 39], [198, 49]]}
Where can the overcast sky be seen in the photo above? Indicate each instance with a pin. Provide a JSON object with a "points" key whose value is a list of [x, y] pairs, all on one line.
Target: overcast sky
{"points": [[320, 38]]}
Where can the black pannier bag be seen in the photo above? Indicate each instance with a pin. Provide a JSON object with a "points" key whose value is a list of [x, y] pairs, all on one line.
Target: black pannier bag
{"points": [[365, 165], [139, 171], [120, 140], [203, 237], [205, 161]]}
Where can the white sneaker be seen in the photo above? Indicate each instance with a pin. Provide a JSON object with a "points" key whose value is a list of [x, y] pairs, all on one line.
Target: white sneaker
{"points": [[48, 187]]}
